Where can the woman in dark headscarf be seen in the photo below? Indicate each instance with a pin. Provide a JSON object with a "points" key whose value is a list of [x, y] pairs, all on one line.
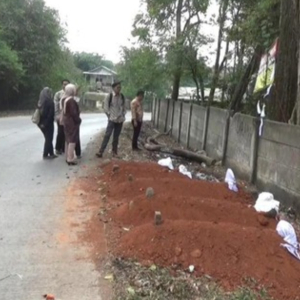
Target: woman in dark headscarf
{"points": [[46, 124], [71, 122]]}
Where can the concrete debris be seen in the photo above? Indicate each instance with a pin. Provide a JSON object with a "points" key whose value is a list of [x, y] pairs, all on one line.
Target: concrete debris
{"points": [[206, 177], [191, 268], [131, 204], [130, 178], [150, 193], [158, 218], [115, 169]]}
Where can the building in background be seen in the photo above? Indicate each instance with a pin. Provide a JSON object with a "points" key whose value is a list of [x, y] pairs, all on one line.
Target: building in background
{"points": [[101, 74]]}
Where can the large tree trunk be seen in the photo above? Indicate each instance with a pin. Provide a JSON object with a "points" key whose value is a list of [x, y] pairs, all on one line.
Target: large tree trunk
{"points": [[245, 80], [176, 85], [222, 19], [178, 71], [202, 88], [286, 68]]}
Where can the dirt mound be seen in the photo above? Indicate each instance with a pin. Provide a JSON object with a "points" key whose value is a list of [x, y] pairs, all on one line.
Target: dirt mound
{"points": [[152, 175], [227, 252], [141, 211], [205, 225]]}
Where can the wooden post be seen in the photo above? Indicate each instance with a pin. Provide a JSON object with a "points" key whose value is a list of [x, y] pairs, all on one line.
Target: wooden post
{"points": [[167, 116], [225, 137], [254, 150], [172, 120], [189, 126], [205, 131], [180, 119]]}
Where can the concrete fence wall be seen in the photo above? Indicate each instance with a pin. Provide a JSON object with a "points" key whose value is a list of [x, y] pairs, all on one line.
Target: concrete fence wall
{"points": [[271, 161]]}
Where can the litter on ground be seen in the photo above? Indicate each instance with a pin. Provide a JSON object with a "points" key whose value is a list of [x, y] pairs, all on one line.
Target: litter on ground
{"points": [[287, 232], [231, 181], [184, 171], [166, 162], [265, 203]]}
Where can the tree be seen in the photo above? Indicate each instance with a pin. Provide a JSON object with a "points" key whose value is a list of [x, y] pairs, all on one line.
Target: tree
{"points": [[142, 68], [287, 68], [167, 24], [222, 18], [11, 71], [33, 32]]}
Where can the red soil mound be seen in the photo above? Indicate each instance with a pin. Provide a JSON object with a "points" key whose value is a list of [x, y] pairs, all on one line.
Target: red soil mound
{"points": [[205, 225]]}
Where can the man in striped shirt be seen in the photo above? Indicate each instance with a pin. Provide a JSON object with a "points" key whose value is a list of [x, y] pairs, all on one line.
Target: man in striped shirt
{"points": [[114, 107]]}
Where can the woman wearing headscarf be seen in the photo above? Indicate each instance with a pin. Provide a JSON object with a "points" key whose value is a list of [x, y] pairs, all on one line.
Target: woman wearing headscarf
{"points": [[71, 122], [46, 124]]}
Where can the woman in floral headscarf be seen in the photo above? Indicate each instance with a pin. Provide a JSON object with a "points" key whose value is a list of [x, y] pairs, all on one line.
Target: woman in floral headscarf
{"points": [[71, 122]]}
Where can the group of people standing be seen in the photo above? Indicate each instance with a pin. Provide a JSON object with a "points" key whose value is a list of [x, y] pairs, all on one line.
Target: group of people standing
{"points": [[64, 109]]}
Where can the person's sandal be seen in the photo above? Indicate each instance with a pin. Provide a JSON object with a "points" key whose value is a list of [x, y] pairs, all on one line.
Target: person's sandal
{"points": [[72, 163]]}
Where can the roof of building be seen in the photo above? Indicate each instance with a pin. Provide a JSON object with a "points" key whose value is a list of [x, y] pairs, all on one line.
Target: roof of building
{"points": [[101, 71]]}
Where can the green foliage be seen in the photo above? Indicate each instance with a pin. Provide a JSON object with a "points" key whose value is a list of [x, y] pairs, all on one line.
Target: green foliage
{"points": [[257, 22], [31, 40], [168, 26], [33, 55], [89, 61], [142, 68], [11, 70]]}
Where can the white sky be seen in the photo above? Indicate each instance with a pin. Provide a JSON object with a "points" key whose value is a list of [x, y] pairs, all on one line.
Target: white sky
{"points": [[100, 26], [103, 26]]}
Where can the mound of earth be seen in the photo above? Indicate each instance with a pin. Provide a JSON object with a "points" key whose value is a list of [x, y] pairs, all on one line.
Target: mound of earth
{"points": [[204, 225]]}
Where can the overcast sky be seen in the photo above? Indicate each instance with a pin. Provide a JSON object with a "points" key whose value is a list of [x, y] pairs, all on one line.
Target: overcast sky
{"points": [[101, 26], [97, 25]]}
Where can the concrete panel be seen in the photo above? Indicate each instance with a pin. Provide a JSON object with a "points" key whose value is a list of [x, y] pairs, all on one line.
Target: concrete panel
{"points": [[282, 133], [241, 132], [172, 103], [197, 125], [175, 128], [278, 167], [216, 124], [184, 123], [284, 176], [162, 115], [279, 153]]}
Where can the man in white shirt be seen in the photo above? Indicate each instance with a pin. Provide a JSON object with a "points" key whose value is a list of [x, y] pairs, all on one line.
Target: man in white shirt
{"points": [[115, 109]]}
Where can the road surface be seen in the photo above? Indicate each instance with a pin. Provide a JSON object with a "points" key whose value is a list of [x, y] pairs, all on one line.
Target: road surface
{"points": [[33, 258]]}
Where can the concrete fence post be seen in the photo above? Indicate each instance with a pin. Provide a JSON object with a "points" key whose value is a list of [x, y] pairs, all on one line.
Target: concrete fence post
{"points": [[180, 120], [152, 109], [225, 137], [155, 111], [158, 112], [205, 130], [167, 116], [172, 119], [254, 150], [188, 136]]}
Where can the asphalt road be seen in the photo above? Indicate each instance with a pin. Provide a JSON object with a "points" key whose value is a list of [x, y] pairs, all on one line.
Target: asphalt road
{"points": [[33, 260]]}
